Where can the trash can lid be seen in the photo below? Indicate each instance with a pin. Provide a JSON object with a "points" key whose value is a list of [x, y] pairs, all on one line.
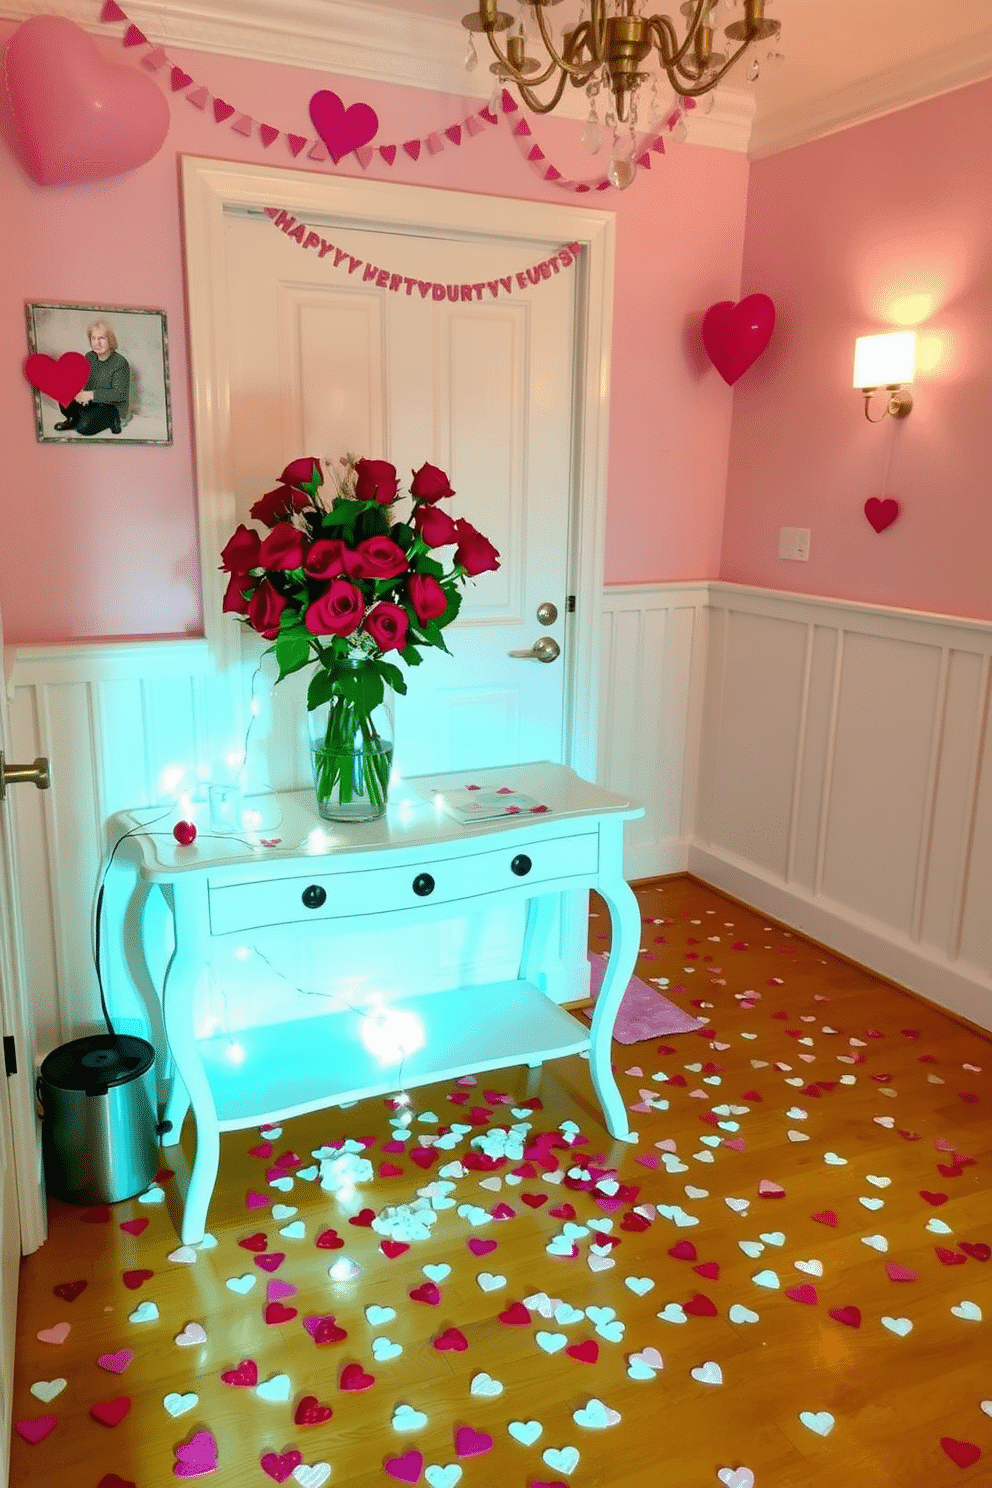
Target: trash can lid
{"points": [[93, 1064]]}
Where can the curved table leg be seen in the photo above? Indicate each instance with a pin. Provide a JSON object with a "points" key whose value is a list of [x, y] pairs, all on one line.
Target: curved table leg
{"points": [[625, 917], [191, 1088]]}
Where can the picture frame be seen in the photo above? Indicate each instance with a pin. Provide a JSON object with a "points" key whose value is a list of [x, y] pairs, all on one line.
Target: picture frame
{"points": [[141, 337]]}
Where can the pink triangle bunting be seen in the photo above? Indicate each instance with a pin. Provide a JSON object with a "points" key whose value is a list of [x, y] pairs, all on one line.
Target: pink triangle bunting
{"points": [[657, 145], [551, 174], [154, 60], [267, 134], [521, 129], [509, 103], [412, 148], [364, 154], [388, 153], [243, 125], [536, 153], [296, 142], [644, 160], [435, 144], [488, 115], [112, 12], [318, 151], [581, 186], [272, 211], [134, 37], [474, 125], [454, 133], [199, 97], [603, 185]]}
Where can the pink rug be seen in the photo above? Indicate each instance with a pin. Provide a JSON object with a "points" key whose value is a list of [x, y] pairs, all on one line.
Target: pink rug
{"points": [[643, 1013]]}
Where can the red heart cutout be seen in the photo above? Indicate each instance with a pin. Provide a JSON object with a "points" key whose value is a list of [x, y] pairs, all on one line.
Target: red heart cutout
{"points": [[586, 1352], [134, 1279], [452, 1340], [353, 1377], [256, 1242], [949, 1257], [61, 379], [135, 1226], [34, 1429], [264, 1149], [534, 1200], [710, 1269], [245, 1374], [272, 1261], [328, 1331], [881, 514], [472, 1443], [393, 1248], [111, 1412], [964, 1454], [310, 1412], [684, 1250], [516, 1315], [563, 1211], [700, 1306], [977, 1249], [936, 1199], [424, 1157], [429, 1293], [390, 1170], [849, 1315], [276, 1313], [69, 1290], [481, 1247], [364, 1218], [329, 1240], [633, 1222], [341, 129], [79, 118], [735, 335], [280, 1465], [804, 1293]]}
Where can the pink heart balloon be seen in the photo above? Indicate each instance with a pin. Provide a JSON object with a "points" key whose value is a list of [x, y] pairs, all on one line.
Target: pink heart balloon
{"points": [[61, 379], [79, 118], [341, 129], [881, 514], [736, 335]]}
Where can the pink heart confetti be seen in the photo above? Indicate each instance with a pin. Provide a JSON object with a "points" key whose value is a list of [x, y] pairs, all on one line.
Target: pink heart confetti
{"points": [[472, 1443], [116, 1363], [58, 1334], [280, 1465], [34, 1429], [405, 1469]]}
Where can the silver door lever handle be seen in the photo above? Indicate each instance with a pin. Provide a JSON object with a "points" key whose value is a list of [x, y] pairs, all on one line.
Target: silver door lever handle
{"points": [[546, 648]]}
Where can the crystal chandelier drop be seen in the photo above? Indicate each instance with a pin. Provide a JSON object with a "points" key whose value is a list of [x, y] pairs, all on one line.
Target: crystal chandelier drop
{"points": [[612, 44]]}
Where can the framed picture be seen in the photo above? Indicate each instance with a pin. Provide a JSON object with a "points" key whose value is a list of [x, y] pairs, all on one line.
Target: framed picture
{"points": [[125, 398]]}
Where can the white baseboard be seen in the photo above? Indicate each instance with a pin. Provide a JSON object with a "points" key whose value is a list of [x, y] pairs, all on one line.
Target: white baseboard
{"points": [[955, 987]]}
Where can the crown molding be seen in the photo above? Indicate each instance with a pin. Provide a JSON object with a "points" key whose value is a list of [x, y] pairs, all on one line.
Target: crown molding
{"points": [[967, 61], [348, 39]]}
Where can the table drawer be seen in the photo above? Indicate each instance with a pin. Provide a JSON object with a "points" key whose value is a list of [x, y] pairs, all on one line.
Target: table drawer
{"points": [[329, 895]]}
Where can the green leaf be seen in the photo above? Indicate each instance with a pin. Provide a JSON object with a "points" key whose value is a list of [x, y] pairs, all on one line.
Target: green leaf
{"points": [[321, 689], [393, 676], [292, 650], [411, 656], [403, 535], [430, 566]]}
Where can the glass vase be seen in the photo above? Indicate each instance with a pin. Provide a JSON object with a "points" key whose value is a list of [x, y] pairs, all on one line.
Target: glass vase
{"points": [[351, 748]]}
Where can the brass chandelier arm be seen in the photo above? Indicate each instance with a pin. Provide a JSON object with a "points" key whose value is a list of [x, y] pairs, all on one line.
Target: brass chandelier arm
{"points": [[664, 29], [534, 104], [677, 71], [579, 72], [517, 77]]}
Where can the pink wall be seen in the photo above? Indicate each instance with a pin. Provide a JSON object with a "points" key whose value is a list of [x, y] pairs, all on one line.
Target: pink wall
{"points": [[102, 542], [884, 226]]}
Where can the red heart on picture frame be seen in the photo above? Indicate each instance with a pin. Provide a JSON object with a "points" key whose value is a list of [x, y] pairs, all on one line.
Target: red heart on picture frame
{"points": [[341, 129], [881, 514], [61, 379], [735, 335]]}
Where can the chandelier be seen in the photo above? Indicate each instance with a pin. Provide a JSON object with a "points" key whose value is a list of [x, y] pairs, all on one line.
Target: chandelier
{"points": [[611, 45]]}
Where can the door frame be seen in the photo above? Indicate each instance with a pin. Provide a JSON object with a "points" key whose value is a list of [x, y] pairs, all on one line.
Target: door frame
{"points": [[212, 187]]}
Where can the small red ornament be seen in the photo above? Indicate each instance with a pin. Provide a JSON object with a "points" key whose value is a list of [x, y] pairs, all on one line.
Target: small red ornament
{"points": [[184, 832]]}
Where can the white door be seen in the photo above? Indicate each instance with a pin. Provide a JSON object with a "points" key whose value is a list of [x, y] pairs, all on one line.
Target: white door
{"points": [[21, 1216], [323, 361]]}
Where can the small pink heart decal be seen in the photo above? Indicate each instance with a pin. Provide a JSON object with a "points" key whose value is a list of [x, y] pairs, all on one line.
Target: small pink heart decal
{"points": [[480, 1247], [735, 335], [881, 514], [79, 118], [471, 1443], [196, 1458], [280, 1465], [58, 1334], [116, 1363], [405, 1469], [61, 379], [341, 129]]}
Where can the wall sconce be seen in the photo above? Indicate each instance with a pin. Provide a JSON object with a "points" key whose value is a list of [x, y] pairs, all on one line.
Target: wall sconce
{"points": [[889, 362]]}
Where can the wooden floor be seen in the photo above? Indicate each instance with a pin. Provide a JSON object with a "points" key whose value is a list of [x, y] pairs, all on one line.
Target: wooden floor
{"points": [[803, 1299]]}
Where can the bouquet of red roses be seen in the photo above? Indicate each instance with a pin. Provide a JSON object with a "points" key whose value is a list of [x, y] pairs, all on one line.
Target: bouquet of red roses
{"points": [[341, 584]]}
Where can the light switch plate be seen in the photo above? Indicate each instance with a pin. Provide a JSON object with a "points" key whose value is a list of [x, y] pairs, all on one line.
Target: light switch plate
{"points": [[793, 542]]}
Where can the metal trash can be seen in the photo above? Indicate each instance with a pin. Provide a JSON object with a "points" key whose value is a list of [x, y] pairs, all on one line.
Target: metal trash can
{"points": [[99, 1119]]}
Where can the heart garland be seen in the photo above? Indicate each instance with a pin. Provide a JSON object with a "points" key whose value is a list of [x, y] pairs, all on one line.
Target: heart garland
{"points": [[342, 130]]}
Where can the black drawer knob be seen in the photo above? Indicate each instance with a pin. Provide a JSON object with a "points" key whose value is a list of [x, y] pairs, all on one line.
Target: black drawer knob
{"points": [[423, 885], [314, 896], [521, 865]]}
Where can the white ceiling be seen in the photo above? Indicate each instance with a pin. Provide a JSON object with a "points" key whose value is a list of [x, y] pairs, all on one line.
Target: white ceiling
{"points": [[845, 60]]}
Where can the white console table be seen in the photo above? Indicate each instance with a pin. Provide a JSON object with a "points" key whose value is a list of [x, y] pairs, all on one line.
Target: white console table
{"points": [[416, 861]]}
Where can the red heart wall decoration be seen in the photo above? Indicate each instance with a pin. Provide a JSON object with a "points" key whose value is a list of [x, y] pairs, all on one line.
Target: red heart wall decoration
{"points": [[79, 119], [735, 335], [881, 514], [341, 129], [61, 379]]}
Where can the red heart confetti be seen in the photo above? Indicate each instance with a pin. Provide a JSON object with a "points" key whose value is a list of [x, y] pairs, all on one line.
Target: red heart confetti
{"points": [[276, 1313], [684, 1251], [962, 1454], [516, 1315], [700, 1306], [246, 1374], [710, 1269], [586, 1352], [310, 1412], [34, 1429], [849, 1315], [452, 1340], [936, 1199], [270, 1261], [429, 1292], [280, 1465], [70, 1290], [257, 1242], [328, 1331], [949, 1257], [135, 1226], [329, 1240], [977, 1249], [111, 1412], [405, 1469], [364, 1218], [393, 1248], [804, 1293], [826, 1217], [895, 1272], [481, 1247], [353, 1377]]}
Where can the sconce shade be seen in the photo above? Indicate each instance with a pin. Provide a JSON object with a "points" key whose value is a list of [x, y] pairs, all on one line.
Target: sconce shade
{"points": [[884, 361]]}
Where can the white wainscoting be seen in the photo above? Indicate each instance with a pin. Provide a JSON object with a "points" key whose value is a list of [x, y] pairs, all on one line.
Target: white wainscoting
{"points": [[829, 763], [845, 782], [652, 666]]}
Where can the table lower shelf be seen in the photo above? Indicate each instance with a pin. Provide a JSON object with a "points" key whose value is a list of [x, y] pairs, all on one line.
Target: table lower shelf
{"points": [[271, 1073]]}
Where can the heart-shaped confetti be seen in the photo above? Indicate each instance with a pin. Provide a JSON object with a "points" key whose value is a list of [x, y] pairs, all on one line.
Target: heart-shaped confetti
{"points": [[819, 1422], [961, 1453], [197, 1457], [47, 1390], [145, 1312], [736, 1477], [111, 1412], [179, 1405], [56, 1335], [741, 1314], [560, 1459], [34, 1429], [595, 1416], [280, 1465], [898, 1325]]}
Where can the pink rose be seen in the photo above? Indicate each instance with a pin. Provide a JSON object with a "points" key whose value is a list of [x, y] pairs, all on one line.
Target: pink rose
{"points": [[387, 624], [241, 552], [275, 506], [338, 611], [430, 484], [475, 553], [325, 559], [376, 481], [284, 548], [375, 558], [234, 599], [434, 525], [306, 469], [264, 609], [427, 597]]}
